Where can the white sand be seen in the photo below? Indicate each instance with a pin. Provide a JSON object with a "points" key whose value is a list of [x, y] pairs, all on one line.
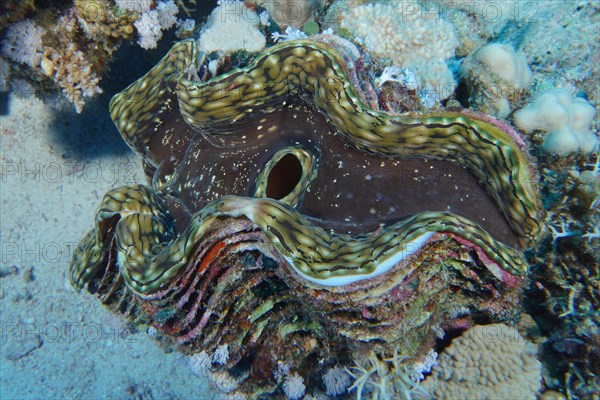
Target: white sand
{"points": [[55, 342]]}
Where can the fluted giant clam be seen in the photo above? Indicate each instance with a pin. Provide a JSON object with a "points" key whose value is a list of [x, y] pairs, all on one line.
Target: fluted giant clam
{"points": [[292, 223]]}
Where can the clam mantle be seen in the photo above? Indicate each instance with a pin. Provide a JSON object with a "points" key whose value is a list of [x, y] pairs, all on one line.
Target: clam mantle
{"points": [[290, 221]]}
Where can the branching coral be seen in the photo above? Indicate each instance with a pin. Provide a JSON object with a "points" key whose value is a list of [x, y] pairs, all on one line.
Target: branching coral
{"points": [[565, 272], [72, 46], [69, 67], [385, 378], [73, 73], [55, 52]]}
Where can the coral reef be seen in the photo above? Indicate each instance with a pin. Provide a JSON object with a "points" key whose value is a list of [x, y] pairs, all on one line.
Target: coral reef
{"points": [[564, 294], [101, 23], [560, 54], [268, 303], [73, 73], [151, 23], [487, 361], [249, 246], [478, 23], [23, 43], [560, 42], [336, 381], [232, 26], [70, 67], [420, 39], [385, 378], [566, 120], [73, 45], [293, 386], [52, 52], [293, 13], [496, 76]]}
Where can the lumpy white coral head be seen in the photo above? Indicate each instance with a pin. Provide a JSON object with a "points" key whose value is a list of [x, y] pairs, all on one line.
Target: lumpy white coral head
{"points": [[562, 141], [509, 65], [567, 120], [583, 115], [588, 141], [547, 112]]}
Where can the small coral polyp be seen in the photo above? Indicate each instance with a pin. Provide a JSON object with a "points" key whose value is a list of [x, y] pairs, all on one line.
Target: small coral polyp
{"points": [[338, 267]]}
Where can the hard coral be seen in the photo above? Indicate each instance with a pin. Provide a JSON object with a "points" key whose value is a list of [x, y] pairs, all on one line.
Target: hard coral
{"points": [[71, 70], [288, 13], [101, 23], [386, 378], [134, 5], [487, 361], [71, 46], [567, 120], [417, 38], [68, 63], [232, 26], [497, 75], [477, 23]]}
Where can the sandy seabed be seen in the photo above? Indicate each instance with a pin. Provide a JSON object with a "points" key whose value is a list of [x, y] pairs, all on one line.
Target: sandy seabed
{"points": [[54, 341]]}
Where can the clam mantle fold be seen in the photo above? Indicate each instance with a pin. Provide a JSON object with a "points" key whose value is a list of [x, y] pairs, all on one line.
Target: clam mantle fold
{"points": [[292, 222]]}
